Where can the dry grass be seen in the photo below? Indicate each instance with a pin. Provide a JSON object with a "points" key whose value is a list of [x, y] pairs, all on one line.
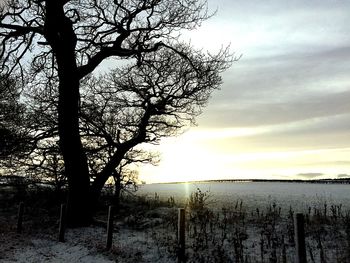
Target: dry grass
{"points": [[213, 234]]}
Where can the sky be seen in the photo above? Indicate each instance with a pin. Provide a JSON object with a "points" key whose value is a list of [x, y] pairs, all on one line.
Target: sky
{"points": [[283, 110]]}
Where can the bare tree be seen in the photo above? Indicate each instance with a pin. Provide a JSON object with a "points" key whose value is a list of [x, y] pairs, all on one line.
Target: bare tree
{"points": [[126, 176], [143, 103], [65, 40], [12, 136]]}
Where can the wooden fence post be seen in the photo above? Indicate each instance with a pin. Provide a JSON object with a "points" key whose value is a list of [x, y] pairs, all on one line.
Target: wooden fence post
{"points": [[110, 228], [284, 253], [62, 225], [20, 217], [181, 235], [299, 238]]}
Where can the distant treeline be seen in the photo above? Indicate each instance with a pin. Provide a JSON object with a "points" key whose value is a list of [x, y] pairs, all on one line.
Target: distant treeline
{"points": [[315, 181]]}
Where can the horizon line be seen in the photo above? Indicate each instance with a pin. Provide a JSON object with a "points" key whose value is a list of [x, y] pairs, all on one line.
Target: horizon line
{"points": [[324, 180]]}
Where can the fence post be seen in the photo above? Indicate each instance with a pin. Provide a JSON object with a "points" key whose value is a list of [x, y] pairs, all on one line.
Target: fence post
{"points": [[62, 225], [284, 254], [299, 238], [110, 228], [181, 235], [20, 217]]}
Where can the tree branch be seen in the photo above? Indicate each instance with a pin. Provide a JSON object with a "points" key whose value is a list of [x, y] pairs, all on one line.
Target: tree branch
{"points": [[109, 52], [21, 30]]}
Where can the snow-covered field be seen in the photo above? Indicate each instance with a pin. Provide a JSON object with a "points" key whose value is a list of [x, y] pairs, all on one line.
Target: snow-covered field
{"points": [[257, 194], [82, 245], [148, 233]]}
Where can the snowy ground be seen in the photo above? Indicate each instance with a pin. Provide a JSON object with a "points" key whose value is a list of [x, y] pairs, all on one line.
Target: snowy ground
{"points": [[149, 234], [81, 245], [150, 243], [257, 194], [46, 249]]}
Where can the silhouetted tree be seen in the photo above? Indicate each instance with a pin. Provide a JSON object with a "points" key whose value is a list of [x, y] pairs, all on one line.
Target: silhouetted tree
{"points": [[143, 103], [64, 41], [125, 176], [12, 136]]}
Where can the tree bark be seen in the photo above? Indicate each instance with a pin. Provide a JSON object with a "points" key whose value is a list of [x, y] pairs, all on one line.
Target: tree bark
{"points": [[108, 170], [61, 37], [76, 169], [118, 188]]}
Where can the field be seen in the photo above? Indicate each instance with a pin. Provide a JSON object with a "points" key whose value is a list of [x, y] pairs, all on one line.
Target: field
{"points": [[225, 222], [257, 194], [253, 221]]}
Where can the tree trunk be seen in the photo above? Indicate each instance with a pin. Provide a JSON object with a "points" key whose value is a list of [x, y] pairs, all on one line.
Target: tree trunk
{"points": [[108, 170], [61, 37], [118, 188], [76, 169]]}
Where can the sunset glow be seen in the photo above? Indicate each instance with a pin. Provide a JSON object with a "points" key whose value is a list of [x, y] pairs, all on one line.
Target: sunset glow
{"points": [[185, 159], [283, 110]]}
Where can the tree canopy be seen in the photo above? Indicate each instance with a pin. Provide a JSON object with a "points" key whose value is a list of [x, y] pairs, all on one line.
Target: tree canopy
{"points": [[55, 47], [11, 113]]}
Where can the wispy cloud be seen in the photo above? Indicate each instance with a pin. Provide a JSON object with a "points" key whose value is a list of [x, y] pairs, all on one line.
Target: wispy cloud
{"points": [[310, 175], [284, 108], [343, 176]]}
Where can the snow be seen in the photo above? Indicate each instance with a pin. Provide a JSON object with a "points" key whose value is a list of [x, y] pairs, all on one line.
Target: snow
{"points": [[82, 245], [150, 237], [46, 249], [256, 194]]}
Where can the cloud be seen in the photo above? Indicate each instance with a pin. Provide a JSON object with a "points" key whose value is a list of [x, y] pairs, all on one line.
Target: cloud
{"points": [[273, 25], [296, 68], [324, 164], [343, 176], [310, 175], [288, 75], [323, 126], [325, 133], [284, 107], [282, 89], [264, 113]]}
